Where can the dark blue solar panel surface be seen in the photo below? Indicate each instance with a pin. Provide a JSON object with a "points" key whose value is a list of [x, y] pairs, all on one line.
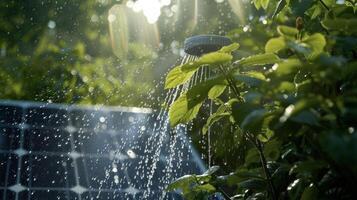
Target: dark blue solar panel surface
{"points": [[52, 151]]}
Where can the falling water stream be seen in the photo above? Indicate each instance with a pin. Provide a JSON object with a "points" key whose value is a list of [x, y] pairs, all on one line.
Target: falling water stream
{"points": [[161, 130]]}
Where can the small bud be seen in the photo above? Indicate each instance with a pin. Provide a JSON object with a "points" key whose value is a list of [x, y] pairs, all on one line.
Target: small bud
{"points": [[299, 23]]}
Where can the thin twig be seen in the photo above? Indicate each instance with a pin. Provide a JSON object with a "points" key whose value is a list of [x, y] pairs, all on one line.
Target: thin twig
{"points": [[323, 3], [225, 195]]}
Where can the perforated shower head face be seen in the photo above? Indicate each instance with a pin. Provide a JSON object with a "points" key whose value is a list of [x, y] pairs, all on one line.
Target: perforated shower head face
{"points": [[201, 44]]}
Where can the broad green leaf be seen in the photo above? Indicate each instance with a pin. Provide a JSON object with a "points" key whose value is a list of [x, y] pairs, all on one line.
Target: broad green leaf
{"points": [[230, 48], [253, 184], [213, 119], [190, 66], [266, 135], [275, 45], [177, 77], [287, 66], [340, 24], [199, 92], [316, 42], [260, 59], [257, 4], [286, 86], [252, 156], [179, 111], [264, 3], [215, 58], [206, 187], [251, 78], [298, 7], [252, 122], [272, 149], [287, 31], [181, 182], [242, 175], [216, 91]]}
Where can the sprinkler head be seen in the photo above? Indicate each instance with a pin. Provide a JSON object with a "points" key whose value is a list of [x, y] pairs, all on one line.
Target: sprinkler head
{"points": [[201, 44]]}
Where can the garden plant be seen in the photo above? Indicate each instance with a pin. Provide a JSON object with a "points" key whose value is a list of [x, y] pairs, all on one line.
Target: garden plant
{"points": [[291, 106]]}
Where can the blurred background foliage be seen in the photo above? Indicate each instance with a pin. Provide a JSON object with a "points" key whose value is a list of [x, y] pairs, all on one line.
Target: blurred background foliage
{"points": [[104, 52], [90, 52]]}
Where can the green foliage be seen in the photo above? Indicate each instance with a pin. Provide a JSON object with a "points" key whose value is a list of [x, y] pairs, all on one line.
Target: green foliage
{"points": [[292, 108]]}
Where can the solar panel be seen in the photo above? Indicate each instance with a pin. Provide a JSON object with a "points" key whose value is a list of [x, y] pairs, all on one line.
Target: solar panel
{"points": [[57, 151]]}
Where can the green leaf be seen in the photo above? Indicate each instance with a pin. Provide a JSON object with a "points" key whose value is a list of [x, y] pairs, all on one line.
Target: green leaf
{"points": [[275, 45], [298, 7], [252, 122], [266, 136], [341, 24], [182, 182], [216, 91], [272, 149], [260, 59], [177, 77], [223, 110], [213, 119], [214, 58], [252, 156], [251, 78], [199, 92], [287, 31], [264, 3], [253, 184], [279, 7], [287, 66], [206, 187], [310, 193], [180, 112], [230, 48], [257, 4], [316, 42]]}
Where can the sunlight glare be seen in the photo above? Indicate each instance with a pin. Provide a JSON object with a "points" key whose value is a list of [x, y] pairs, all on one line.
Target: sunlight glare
{"points": [[150, 8]]}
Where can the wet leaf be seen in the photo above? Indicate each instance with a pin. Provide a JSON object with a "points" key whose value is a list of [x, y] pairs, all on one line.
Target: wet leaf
{"points": [[340, 24], [215, 58], [177, 77], [252, 122], [206, 187], [260, 59], [179, 111], [216, 91], [287, 31], [275, 45], [181, 182], [230, 48]]}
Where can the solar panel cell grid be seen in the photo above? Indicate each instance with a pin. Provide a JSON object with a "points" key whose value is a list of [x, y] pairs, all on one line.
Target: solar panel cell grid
{"points": [[51, 151]]}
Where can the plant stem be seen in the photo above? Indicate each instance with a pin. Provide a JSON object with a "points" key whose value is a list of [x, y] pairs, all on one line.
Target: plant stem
{"points": [[265, 169], [323, 3], [225, 195], [231, 84], [256, 143]]}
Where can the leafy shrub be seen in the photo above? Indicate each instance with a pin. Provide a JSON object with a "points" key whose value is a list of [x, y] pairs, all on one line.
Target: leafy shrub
{"points": [[293, 106]]}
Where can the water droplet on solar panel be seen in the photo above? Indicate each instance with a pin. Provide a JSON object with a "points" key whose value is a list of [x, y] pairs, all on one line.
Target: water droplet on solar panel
{"points": [[102, 119], [131, 153]]}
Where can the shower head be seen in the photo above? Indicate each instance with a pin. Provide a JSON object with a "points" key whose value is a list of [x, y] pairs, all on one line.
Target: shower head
{"points": [[201, 44]]}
